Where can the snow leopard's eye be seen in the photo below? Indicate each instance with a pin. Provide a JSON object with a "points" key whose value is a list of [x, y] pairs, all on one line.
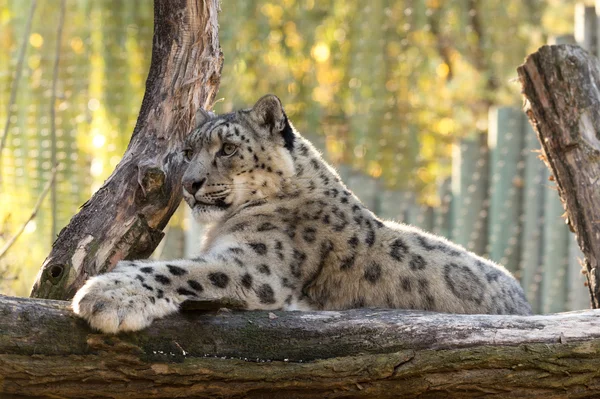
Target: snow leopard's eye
{"points": [[228, 149], [188, 153]]}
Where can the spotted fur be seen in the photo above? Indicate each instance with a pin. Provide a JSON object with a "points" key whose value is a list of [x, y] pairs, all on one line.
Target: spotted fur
{"points": [[286, 233]]}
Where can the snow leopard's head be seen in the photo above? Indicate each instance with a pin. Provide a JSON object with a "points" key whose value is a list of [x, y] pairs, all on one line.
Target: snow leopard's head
{"points": [[237, 158]]}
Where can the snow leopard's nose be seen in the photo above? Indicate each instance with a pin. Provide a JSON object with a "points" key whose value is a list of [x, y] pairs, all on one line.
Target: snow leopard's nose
{"points": [[192, 185]]}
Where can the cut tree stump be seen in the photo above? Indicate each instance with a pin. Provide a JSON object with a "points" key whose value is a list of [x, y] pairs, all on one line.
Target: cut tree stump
{"points": [[46, 351], [560, 86], [125, 217]]}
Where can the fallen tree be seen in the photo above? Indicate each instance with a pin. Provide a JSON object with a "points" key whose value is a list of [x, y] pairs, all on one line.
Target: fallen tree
{"points": [[46, 351]]}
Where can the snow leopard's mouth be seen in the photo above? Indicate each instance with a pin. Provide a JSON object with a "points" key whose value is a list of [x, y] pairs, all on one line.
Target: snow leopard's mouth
{"points": [[217, 205]]}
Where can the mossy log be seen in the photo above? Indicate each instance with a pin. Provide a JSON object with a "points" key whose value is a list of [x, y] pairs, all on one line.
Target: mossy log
{"points": [[124, 219], [46, 351], [560, 86]]}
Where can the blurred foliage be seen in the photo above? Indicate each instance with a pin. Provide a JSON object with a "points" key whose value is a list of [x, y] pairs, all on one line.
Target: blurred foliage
{"points": [[105, 55], [389, 84], [384, 86]]}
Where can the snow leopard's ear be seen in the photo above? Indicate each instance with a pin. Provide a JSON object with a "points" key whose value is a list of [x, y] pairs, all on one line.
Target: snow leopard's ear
{"points": [[268, 112], [202, 117]]}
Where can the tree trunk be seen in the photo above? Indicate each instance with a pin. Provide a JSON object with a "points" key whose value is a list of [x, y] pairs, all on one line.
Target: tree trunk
{"points": [[125, 217], [46, 351], [560, 85]]}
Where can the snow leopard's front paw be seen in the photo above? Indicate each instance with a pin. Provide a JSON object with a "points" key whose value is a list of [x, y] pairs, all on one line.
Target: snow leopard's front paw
{"points": [[117, 302]]}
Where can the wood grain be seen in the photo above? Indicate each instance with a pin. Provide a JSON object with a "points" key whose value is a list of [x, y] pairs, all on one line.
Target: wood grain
{"points": [[45, 350], [562, 100]]}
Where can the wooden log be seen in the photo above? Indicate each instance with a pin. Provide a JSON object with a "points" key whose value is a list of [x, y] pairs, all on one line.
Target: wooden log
{"points": [[560, 86], [45, 351], [125, 217]]}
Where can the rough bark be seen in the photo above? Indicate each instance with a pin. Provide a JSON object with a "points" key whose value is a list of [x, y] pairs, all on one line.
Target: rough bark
{"points": [[560, 85], [46, 351], [125, 218]]}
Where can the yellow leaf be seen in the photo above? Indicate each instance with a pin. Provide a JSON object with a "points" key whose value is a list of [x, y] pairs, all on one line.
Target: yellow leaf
{"points": [[36, 40], [442, 70], [77, 45], [375, 169], [320, 52]]}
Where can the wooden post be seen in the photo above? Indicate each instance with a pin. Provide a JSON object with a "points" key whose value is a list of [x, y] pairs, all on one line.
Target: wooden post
{"points": [[561, 39], [585, 27], [534, 187], [560, 85], [555, 262], [442, 214], [577, 296], [393, 205], [597, 32], [364, 186], [469, 190], [505, 142], [462, 152], [420, 215], [125, 217]]}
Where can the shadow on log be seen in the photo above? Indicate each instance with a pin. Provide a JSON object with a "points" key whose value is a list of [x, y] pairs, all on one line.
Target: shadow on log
{"points": [[370, 353]]}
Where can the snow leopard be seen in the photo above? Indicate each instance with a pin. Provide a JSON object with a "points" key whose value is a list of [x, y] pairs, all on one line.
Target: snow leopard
{"points": [[285, 233]]}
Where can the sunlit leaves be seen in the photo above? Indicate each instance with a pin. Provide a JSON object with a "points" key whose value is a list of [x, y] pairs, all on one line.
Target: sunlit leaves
{"points": [[76, 45], [320, 52], [36, 40], [386, 86], [104, 61]]}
